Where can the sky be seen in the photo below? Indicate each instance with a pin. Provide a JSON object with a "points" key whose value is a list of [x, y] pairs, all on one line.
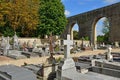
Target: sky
{"points": [[74, 7]]}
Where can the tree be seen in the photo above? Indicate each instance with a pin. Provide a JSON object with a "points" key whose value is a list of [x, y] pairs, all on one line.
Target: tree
{"points": [[21, 14], [75, 35], [100, 38], [2, 13], [52, 17], [106, 26], [105, 30]]}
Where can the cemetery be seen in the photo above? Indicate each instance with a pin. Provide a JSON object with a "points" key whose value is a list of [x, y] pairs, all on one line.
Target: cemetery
{"points": [[105, 65], [85, 67], [51, 53]]}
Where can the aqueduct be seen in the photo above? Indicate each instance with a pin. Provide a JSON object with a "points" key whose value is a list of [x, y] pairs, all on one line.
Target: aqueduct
{"points": [[87, 21]]}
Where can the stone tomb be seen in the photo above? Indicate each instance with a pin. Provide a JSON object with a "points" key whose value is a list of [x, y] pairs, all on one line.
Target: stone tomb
{"points": [[41, 51], [37, 69], [11, 72], [107, 68], [15, 54], [29, 54]]}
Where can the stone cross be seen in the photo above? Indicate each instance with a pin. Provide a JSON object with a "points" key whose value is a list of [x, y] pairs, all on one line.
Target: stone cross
{"points": [[51, 45], [67, 43]]}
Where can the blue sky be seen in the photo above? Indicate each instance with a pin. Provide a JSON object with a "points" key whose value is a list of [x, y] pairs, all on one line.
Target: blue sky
{"points": [[74, 7]]}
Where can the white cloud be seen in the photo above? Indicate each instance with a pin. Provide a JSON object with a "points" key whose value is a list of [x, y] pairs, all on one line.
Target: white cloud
{"points": [[111, 1], [67, 13]]}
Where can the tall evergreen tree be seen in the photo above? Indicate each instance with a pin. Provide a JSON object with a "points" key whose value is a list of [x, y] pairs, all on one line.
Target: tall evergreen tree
{"points": [[52, 17]]}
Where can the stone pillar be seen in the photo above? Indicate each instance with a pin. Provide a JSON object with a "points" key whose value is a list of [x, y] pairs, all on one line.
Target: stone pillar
{"points": [[109, 55], [95, 40], [71, 34]]}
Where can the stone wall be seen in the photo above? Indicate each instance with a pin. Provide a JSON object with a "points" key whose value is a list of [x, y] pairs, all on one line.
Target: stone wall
{"points": [[29, 39], [79, 42]]}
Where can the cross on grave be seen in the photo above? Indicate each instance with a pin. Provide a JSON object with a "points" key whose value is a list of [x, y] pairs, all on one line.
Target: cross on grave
{"points": [[51, 44], [67, 65], [67, 43]]}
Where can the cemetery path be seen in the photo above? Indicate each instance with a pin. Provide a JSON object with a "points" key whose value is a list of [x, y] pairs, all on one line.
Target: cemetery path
{"points": [[39, 60], [4, 58]]}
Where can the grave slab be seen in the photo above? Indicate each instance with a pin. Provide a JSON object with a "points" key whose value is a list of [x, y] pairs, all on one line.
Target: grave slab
{"points": [[15, 54]]}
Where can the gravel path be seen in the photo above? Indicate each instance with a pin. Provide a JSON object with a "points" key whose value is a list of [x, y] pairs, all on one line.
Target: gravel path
{"points": [[38, 60]]}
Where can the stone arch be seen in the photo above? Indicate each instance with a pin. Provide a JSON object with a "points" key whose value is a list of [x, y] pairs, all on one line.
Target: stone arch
{"points": [[71, 31], [93, 34], [69, 28]]}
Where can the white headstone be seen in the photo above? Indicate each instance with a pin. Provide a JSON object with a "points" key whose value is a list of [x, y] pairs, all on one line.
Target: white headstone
{"points": [[46, 36], [3, 42], [7, 47], [34, 43], [15, 41], [109, 56], [67, 44], [117, 44]]}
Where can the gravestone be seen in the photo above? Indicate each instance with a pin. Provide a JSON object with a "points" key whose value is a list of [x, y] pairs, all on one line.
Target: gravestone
{"points": [[20, 45], [3, 42], [51, 44], [67, 63], [46, 36], [109, 55], [6, 47], [24, 46], [29, 44], [51, 59], [117, 44], [15, 42], [37, 50], [34, 43]]}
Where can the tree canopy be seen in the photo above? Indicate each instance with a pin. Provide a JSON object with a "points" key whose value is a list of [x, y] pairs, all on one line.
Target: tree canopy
{"points": [[75, 35], [32, 17], [52, 17], [20, 14]]}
